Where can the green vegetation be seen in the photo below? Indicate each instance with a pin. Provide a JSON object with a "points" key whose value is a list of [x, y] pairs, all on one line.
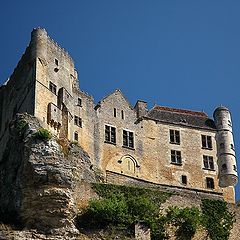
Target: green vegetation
{"points": [[21, 126], [186, 220], [120, 207], [74, 143], [217, 219], [43, 134]]}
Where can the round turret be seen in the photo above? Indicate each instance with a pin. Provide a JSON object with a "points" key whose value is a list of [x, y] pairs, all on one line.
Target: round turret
{"points": [[225, 145], [39, 42]]}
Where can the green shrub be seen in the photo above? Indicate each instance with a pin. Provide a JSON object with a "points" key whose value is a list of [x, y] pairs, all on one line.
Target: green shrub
{"points": [[43, 134], [186, 220], [124, 206], [21, 127], [217, 219]]}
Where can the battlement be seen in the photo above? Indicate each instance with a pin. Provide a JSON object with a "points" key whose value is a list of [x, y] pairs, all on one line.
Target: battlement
{"points": [[39, 33]]}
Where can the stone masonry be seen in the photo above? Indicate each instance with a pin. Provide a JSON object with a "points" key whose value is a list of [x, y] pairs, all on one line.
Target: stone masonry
{"points": [[161, 145]]}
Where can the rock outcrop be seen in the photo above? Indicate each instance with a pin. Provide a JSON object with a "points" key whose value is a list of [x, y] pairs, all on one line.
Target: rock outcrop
{"points": [[43, 182]]}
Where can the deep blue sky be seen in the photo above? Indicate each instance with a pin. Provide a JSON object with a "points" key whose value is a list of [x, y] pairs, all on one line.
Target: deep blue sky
{"points": [[182, 54]]}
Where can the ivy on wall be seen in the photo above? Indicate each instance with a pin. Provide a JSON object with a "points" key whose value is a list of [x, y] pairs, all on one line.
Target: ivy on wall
{"points": [[123, 206]]}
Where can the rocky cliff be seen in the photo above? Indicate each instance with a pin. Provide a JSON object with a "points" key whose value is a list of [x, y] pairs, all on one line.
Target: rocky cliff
{"points": [[43, 181]]}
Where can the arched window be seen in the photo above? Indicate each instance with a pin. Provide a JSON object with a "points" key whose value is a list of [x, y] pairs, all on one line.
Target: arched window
{"points": [[129, 165]]}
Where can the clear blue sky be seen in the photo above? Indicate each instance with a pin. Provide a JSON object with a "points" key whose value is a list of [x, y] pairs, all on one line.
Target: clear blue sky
{"points": [[182, 54]]}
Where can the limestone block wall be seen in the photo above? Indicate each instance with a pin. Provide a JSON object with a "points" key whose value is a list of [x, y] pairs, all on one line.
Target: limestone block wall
{"points": [[17, 95], [107, 154]]}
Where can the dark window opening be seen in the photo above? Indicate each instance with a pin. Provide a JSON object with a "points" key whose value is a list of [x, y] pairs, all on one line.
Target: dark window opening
{"points": [[176, 157], [75, 136], [206, 142], [56, 61], [210, 183], [79, 103], [174, 136], [78, 121], [224, 166], [208, 162], [110, 134], [122, 113], [184, 179], [52, 87], [128, 139], [114, 112], [235, 168]]}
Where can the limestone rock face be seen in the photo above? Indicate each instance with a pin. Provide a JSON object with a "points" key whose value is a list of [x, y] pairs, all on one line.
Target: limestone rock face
{"points": [[42, 182]]}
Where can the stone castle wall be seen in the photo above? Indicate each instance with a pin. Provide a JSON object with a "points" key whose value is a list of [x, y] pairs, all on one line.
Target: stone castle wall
{"points": [[45, 84]]}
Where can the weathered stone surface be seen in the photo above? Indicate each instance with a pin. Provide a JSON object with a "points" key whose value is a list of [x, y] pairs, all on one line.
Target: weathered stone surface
{"points": [[41, 187]]}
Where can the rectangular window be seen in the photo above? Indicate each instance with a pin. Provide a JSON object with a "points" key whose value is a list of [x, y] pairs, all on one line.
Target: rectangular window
{"points": [[128, 139], [176, 157], [56, 61], [75, 136], [122, 113], [210, 183], [110, 134], [79, 102], [184, 179], [115, 112], [174, 136], [208, 162], [52, 87], [78, 121], [206, 142]]}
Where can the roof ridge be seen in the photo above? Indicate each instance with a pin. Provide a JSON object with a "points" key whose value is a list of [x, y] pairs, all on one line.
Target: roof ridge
{"points": [[178, 110]]}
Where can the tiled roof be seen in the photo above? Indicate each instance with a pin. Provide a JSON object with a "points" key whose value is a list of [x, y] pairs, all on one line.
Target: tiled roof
{"points": [[181, 117]]}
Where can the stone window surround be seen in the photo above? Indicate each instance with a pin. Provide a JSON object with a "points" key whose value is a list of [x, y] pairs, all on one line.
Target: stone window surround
{"points": [[174, 136], [128, 138], [77, 121], [210, 183], [208, 163], [176, 157], [53, 87], [112, 131], [206, 142]]}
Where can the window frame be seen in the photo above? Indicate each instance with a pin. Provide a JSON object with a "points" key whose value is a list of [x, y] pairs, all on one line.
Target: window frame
{"points": [[53, 87], [210, 183], [207, 142], [77, 121], [208, 163], [174, 136], [176, 157], [128, 139], [110, 135]]}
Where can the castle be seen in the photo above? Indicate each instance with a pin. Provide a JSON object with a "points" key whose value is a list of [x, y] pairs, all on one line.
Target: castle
{"points": [[175, 148]]}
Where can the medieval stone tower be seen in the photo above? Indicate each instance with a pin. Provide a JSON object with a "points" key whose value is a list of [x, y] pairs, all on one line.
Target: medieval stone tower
{"points": [[226, 152], [177, 149]]}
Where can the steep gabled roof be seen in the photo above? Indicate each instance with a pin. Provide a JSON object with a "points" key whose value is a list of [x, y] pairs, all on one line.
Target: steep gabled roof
{"points": [[116, 91], [181, 117]]}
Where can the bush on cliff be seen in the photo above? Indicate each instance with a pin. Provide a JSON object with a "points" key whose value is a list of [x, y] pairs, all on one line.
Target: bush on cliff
{"points": [[43, 134]]}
